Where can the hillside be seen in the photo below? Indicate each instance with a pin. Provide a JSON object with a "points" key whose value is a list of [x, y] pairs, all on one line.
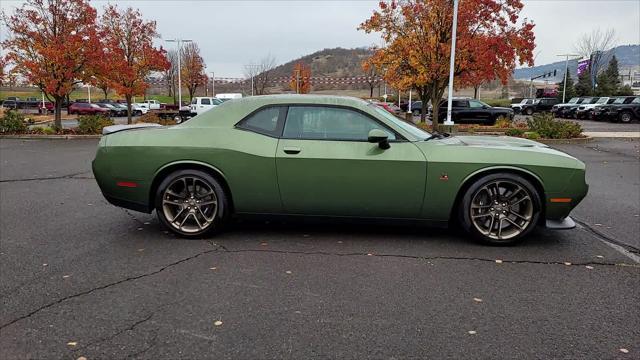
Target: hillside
{"points": [[336, 62], [628, 57]]}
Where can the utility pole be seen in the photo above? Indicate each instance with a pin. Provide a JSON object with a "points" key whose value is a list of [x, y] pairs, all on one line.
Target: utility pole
{"points": [[451, 63], [297, 81], [251, 68], [566, 69], [179, 41]]}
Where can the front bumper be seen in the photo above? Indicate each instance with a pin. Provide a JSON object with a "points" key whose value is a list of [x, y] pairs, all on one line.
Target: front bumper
{"points": [[562, 224]]}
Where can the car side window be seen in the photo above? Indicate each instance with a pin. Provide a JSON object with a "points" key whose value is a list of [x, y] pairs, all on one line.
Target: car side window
{"points": [[205, 102], [329, 123], [476, 104], [459, 103], [264, 121]]}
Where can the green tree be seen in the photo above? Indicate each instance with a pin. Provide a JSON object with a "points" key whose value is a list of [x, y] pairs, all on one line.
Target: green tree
{"points": [[583, 87], [569, 92], [609, 80], [625, 91]]}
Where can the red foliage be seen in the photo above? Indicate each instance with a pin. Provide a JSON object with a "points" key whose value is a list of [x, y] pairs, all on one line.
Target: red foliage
{"points": [[301, 78]]}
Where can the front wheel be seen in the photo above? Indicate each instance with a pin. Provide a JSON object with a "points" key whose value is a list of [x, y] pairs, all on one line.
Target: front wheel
{"points": [[191, 203], [500, 209], [529, 111]]}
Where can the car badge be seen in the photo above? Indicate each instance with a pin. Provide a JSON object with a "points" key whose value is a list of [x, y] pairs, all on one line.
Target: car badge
{"points": [[444, 177]]}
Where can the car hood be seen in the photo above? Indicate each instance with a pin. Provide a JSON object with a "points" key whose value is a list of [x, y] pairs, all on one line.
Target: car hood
{"points": [[501, 108], [491, 141]]}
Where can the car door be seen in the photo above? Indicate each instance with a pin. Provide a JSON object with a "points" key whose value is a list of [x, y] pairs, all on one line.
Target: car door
{"points": [[326, 166], [478, 113]]}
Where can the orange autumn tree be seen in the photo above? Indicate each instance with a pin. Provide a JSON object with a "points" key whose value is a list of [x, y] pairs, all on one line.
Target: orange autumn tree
{"points": [[491, 40], [53, 44], [128, 52], [301, 78], [192, 73]]}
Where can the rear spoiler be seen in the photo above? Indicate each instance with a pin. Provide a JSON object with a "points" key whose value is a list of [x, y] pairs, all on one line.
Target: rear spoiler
{"points": [[117, 128]]}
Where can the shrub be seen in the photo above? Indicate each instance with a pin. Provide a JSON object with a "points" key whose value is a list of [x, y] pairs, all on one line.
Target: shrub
{"points": [[550, 128], [532, 135], [12, 122], [155, 119], [514, 132], [93, 124], [503, 122], [45, 130], [498, 102]]}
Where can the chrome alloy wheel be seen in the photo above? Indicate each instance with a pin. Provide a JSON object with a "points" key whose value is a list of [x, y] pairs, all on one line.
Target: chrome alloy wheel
{"points": [[501, 209], [189, 204]]}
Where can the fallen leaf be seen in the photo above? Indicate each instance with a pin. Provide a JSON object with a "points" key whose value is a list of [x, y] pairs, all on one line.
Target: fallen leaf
{"points": [[65, 276], [90, 204], [477, 299], [472, 332], [339, 242], [45, 264], [213, 268], [288, 271], [568, 263], [139, 229], [72, 343], [589, 267], [624, 351], [369, 254], [147, 223], [600, 256], [498, 261], [264, 244], [81, 358], [140, 249], [217, 323], [597, 224]]}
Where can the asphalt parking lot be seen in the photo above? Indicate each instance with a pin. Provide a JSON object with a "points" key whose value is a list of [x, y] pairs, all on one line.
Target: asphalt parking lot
{"points": [[82, 278]]}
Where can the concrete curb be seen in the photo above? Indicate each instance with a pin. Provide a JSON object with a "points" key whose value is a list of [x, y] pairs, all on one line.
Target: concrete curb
{"points": [[50, 137], [582, 140]]}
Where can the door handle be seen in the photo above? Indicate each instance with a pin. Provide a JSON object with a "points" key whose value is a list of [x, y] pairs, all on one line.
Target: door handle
{"points": [[291, 150]]}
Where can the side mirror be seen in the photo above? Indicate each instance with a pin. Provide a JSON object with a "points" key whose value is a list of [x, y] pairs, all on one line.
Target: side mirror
{"points": [[380, 137]]}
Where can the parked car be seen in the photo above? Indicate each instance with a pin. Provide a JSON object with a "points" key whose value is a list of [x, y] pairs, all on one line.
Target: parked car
{"points": [[82, 108], [472, 111], [605, 113], [585, 111], [47, 108], [517, 107], [539, 105], [334, 157], [569, 112], [138, 109], [390, 107], [626, 112], [153, 104], [557, 109], [113, 109], [201, 104], [10, 104]]}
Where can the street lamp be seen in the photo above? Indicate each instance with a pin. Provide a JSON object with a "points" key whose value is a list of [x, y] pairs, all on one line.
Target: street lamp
{"points": [[179, 41], [566, 69], [213, 85], [451, 62], [251, 68]]}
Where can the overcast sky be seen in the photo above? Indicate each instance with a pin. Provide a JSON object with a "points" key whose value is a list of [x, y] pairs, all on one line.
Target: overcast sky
{"points": [[234, 33]]}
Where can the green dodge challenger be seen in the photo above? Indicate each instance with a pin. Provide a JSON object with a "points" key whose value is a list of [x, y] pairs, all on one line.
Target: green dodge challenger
{"points": [[334, 157]]}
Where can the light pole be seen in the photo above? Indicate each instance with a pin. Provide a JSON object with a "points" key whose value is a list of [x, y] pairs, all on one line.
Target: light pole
{"points": [[179, 41], [566, 69], [251, 68], [451, 63]]}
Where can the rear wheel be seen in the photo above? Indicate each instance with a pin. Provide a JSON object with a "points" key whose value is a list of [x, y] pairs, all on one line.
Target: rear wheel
{"points": [[529, 111], [626, 117], [500, 209], [191, 203]]}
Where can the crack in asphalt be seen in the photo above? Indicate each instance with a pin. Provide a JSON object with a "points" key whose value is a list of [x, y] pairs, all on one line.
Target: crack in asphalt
{"points": [[152, 344], [604, 237], [69, 176], [102, 287], [218, 247], [116, 334]]}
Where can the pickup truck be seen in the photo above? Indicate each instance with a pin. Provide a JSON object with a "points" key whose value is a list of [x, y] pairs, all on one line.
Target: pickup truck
{"points": [[202, 104], [585, 111], [153, 104], [607, 112]]}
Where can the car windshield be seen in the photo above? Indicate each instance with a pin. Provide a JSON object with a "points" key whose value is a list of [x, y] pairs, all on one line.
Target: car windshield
{"points": [[619, 101], [636, 101], [573, 100], [602, 100], [215, 101], [94, 106], [412, 129]]}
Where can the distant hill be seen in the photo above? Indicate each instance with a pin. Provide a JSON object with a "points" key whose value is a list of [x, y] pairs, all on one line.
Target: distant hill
{"points": [[628, 57], [336, 62]]}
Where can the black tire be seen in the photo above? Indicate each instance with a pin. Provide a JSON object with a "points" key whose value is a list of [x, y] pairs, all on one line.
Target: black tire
{"points": [[529, 111], [137, 113], [416, 112], [219, 217], [625, 117], [478, 187]]}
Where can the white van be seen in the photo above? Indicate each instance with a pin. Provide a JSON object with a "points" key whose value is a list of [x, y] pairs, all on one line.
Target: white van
{"points": [[202, 104], [229, 96]]}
